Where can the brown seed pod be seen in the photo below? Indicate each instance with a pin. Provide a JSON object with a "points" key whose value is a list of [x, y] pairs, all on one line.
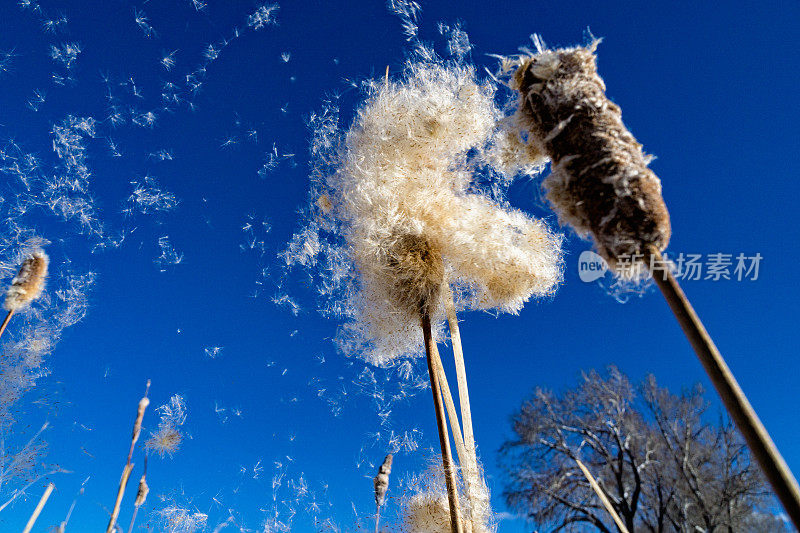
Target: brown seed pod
{"points": [[417, 273], [600, 183], [29, 282]]}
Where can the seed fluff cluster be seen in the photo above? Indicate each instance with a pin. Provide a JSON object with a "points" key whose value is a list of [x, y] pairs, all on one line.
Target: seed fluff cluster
{"points": [[410, 198], [29, 282], [600, 183], [425, 508]]}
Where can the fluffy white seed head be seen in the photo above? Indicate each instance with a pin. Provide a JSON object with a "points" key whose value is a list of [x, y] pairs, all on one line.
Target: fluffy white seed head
{"points": [[381, 481], [411, 197], [29, 282], [425, 506], [426, 512]]}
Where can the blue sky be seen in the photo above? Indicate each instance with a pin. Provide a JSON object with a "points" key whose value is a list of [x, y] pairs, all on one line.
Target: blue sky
{"points": [[709, 90]]}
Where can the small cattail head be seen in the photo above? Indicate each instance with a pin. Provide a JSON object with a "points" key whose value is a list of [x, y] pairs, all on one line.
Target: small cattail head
{"points": [[29, 282], [137, 426], [381, 481], [600, 183], [141, 494]]}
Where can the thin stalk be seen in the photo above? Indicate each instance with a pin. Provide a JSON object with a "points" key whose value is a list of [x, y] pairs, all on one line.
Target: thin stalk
{"points": [[600, 494], [452, 416], [461, 373], [39, 507], [123, 482], [754, 432], [470, 466], [377, 517], [5, 322], [444, 442]]}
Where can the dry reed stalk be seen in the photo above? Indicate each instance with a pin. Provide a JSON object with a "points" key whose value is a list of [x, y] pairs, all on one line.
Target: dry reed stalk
{"points": [[39, 507], [452, 416], [761, 445], [600, 494], [444, 442], [469, 467], [5, 322], [126, 471]]}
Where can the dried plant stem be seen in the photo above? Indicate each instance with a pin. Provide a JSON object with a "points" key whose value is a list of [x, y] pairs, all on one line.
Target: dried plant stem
{"points": [[123, 482], [470, 466], [447, 459], [461, 373], [377, 517], [754, 432], [5, 322], [452, 416], [39, 507], [602, 495]]}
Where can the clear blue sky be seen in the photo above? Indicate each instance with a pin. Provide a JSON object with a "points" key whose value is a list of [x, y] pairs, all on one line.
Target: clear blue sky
{"points": [[710, 90]]}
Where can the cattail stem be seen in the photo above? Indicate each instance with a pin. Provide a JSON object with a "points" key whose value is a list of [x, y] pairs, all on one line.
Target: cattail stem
{"points": [[470, 466], [461, 374], [5, 322], [377, 517], [39, 506], [734, 399], [602, 495], [461, 451], [447, 460]]}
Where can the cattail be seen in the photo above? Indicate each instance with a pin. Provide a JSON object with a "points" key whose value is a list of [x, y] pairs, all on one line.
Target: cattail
{"points": [[126, 471], [381, 483], [137, 426], [420, 160], [141, 494], [29, 282], [416, 274], [412, 203], [600, 183], [27, 285]]}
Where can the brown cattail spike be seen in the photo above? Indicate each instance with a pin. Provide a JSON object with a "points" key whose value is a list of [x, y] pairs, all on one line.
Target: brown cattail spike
{"points": [[29, 282], [600, 183]]}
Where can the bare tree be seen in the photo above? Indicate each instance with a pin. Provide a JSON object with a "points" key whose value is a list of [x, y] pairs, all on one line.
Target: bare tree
{"points": [[661, 463]]}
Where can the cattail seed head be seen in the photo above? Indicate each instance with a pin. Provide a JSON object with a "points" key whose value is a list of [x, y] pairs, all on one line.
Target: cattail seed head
{"points": [[141, 494], [137, 426], [600, 183], [410, 197], [417, 273], [29, 282], [381, 481], [426, 512]]}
